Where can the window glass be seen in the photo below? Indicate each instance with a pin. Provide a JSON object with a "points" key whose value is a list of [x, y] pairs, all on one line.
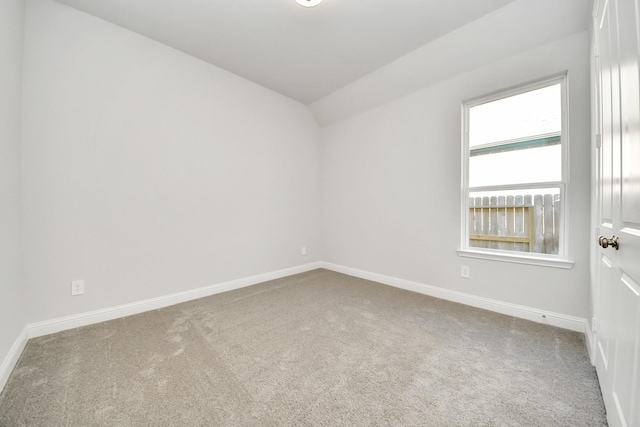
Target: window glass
{"points": [[514, 178], [516, 167], [536, 112]]}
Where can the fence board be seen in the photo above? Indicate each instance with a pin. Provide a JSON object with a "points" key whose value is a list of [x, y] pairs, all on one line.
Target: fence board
{"points": [[556, 224], [518, 224], [472, 217], [510, 221], [501, 218], [493, 221], [528, 222], [538, 223], [548, 223], [485, 220], [480, 222]]}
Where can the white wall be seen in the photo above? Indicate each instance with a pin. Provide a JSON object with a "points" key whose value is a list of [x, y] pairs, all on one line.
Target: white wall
{"points": [[391, 186], [12, 291], [148, 172]]}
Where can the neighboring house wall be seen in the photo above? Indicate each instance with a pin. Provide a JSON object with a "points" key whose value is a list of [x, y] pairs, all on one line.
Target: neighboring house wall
{"points": [[12, 291], [392, 180], [148, 172]]}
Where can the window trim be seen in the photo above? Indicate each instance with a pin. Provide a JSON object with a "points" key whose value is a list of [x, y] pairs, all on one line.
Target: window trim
{"points": [[560, 260]]}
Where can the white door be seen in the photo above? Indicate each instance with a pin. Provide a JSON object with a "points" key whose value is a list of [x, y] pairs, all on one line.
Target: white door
{"points": [[618, 179]]}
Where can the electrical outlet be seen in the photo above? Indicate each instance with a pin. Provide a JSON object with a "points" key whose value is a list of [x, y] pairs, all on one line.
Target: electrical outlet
{"points": [[465, 271], [303, 250], [77, 287]]}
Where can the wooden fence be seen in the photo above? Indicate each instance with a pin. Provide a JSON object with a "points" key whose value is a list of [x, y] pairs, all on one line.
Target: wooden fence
{"points": [[517, 223]]}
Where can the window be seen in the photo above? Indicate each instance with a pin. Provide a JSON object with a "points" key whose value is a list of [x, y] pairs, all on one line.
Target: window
{"points": [[514, 174]]}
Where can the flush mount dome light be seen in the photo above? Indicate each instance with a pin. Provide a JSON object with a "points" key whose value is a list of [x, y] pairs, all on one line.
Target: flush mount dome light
{"points": [[308, 3]]}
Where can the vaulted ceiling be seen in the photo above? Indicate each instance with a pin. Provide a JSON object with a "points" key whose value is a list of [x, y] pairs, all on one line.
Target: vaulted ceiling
{"points": [[302, 53]]}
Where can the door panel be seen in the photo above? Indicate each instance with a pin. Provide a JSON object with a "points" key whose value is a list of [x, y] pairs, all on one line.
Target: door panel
{"points": [[628, 307], [618, 180], [606, 328], [626, 384], [606, 162], [630, 102]]}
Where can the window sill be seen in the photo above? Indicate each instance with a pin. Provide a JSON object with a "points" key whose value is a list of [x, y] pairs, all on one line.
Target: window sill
{"points": [[517, 258]]}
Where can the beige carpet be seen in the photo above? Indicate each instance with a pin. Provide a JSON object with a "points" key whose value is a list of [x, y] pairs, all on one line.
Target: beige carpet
{"points": [[315, 349]]}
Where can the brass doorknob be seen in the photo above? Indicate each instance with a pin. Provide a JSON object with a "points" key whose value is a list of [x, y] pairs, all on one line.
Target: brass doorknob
{"points": [[614, 242]]}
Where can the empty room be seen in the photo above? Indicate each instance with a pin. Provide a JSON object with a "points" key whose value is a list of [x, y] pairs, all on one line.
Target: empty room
{"points": [[319, 213]]}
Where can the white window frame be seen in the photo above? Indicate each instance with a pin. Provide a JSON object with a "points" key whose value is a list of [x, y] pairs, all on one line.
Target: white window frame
{"points": [[559, 260]]}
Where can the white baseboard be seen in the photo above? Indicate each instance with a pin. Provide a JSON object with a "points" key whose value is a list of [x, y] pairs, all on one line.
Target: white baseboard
{"points": [[12, 357], [555, 319], [83, 319]]}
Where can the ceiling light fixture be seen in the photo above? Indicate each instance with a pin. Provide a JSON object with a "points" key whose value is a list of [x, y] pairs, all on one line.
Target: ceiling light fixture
{"points": [[308, 3]]}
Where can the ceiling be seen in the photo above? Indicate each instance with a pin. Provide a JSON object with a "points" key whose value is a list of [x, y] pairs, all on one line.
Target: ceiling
{"points": [[302, 53]]}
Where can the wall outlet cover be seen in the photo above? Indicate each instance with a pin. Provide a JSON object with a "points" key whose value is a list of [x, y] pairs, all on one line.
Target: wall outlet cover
{"points": [[465, 271], [77, 287]]}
